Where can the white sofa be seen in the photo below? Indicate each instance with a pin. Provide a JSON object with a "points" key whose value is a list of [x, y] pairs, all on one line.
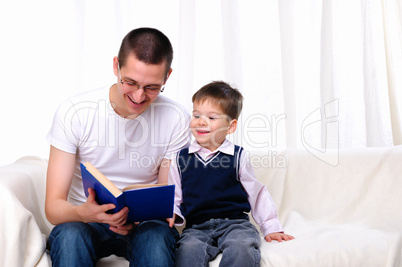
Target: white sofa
{"points": [[343, 207]]}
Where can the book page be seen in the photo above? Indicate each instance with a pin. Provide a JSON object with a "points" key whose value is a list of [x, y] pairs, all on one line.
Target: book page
{"points": [[141, 186], [102, 179]]}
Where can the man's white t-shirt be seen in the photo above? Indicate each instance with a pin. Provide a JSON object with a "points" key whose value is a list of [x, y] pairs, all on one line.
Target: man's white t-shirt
{"points": [[125, 151]]}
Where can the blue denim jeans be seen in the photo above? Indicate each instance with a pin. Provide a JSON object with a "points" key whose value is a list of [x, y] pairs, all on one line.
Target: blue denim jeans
{"points": [[79, 244], [237, 240]]}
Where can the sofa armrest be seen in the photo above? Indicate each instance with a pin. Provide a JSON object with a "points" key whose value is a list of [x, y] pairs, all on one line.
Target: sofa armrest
{"points": [[23, 225]]}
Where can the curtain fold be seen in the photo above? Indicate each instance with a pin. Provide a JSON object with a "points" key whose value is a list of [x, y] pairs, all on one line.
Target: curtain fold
{"points": [[392, 22], [315, 74]]}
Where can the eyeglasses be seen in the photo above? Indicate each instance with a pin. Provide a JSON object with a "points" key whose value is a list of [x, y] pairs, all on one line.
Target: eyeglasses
{"points": [[148, 89]]}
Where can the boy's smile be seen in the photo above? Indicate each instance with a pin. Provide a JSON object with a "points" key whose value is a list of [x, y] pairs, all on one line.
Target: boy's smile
{"points": [[209, 125], [201, 132]]}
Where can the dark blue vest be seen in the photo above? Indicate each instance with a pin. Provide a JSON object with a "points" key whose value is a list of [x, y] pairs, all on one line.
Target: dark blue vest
{"points": [[211, 189]]}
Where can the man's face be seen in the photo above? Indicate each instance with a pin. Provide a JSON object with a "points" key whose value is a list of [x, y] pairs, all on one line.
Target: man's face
{"points": [[130, 103]]}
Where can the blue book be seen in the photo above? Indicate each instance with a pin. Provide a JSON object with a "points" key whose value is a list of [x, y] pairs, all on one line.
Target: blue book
{"points": [[144, 201]]}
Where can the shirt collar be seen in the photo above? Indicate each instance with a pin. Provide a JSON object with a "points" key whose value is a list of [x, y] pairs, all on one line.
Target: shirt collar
{"points": [[227, 147]]}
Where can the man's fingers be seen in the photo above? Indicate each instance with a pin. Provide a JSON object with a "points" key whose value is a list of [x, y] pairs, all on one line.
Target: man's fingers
{"points": [[91, 195], [106, 207]]}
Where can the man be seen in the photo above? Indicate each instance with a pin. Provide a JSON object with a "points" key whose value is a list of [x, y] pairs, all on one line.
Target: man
{"points": [[129, 132]]}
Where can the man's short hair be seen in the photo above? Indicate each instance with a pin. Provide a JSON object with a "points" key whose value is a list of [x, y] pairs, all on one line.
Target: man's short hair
{"points": [[148, 45], [229, 99]]}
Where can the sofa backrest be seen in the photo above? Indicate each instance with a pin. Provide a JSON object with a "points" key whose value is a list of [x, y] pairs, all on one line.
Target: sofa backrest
{"points": [[339, 186]]}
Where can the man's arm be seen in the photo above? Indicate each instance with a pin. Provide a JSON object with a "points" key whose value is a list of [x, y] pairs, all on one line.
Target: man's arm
{"points": [[164, 171], [175, 179], [162, 179], [59, 210]]}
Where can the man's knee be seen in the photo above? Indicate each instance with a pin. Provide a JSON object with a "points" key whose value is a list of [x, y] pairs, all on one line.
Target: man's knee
{"points": [[70, 233], [156, 231]]}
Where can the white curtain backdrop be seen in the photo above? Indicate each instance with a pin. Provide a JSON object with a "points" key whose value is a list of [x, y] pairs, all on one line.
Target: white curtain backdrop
{"points": [[317, 74]]}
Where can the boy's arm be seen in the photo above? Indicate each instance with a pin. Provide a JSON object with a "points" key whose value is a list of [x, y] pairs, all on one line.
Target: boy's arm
{"points": [[58, 209], [259, 199], [262, 205]]}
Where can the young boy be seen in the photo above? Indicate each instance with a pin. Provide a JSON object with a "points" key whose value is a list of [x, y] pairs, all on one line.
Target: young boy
{"points": [[216, 187]]}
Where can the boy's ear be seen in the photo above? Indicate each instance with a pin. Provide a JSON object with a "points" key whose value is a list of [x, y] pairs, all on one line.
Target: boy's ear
{"points": [[232, 126]]}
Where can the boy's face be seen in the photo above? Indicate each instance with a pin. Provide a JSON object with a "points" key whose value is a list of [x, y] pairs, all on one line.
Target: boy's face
{"points": [[209, 125]]}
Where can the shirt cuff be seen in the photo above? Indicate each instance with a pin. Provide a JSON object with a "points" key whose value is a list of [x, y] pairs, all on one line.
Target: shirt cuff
{"points": [[179, 221], [271, 226]]}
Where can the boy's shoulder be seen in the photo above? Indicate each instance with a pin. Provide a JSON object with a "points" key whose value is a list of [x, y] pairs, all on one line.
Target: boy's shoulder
{"points": [[183, 151]]}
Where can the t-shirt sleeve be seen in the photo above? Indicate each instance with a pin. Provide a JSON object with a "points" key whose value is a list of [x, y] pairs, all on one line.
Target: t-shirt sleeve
{"points": [[63, 133], [181, 136]]}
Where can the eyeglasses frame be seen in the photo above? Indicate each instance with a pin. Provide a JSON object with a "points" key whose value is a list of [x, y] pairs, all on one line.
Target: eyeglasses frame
{"points": [[138, 86]]}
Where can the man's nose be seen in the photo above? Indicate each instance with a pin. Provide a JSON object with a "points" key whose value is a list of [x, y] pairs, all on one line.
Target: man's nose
{"points": [[138, 95]]}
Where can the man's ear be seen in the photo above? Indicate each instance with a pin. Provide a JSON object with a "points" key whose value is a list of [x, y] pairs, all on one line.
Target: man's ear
{"points": [[116, 66], [168, 75], [232, 126]]}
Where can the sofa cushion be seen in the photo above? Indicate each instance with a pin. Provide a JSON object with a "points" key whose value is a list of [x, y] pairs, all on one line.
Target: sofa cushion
{"points": [[318, 243], [23, 229]]}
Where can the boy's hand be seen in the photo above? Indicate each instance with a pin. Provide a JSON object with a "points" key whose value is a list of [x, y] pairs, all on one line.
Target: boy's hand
{"points": [[171, 220], [278, 236]]}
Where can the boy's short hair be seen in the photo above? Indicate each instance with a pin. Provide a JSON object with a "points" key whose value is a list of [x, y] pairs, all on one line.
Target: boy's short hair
{"points": [[229, 99], [148, 45]]}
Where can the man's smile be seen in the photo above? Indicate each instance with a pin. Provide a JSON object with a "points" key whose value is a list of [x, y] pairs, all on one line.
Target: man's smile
{"points": [[136, 103]]}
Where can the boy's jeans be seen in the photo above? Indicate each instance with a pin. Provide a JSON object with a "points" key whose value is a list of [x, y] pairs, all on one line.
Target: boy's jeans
{"points": [[79, 244], [238, 240]]}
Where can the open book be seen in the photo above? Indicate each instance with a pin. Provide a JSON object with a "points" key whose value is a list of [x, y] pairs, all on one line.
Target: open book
{"points": [[144, 201]]}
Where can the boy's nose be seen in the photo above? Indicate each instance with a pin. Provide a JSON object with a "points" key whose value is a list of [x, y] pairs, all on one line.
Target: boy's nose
{"points": [[205, 119]]}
